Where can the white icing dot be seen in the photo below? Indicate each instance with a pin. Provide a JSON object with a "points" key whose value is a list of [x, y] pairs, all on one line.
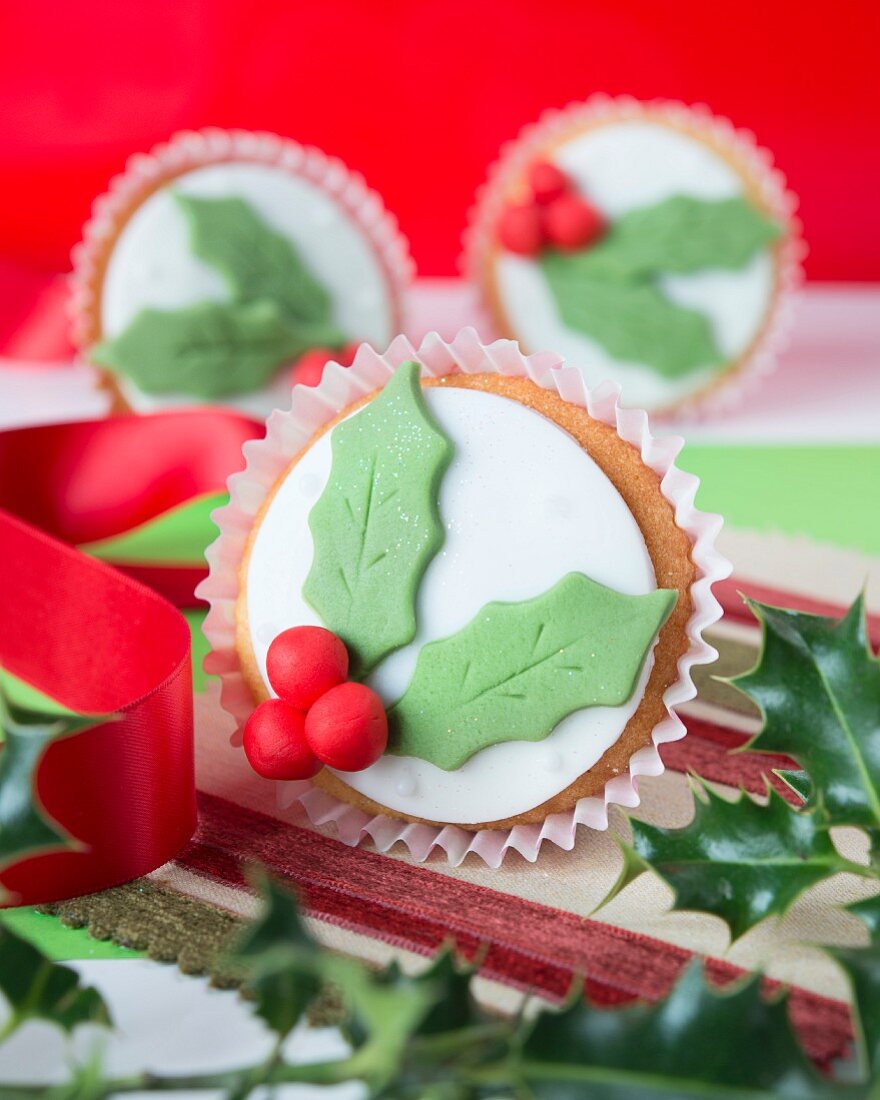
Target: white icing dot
{"points": [[266, 632], [406, 785], [551, 761]]}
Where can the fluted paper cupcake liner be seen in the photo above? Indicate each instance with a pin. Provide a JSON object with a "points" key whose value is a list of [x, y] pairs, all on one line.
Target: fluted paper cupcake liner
{"points": [[289, 431], [738, 146]]}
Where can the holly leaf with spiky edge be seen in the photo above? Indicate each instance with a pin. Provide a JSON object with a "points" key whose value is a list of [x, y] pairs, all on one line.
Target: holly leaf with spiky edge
{"points": [[681, 235], [740, 860], [279, 956], [517, 669], [868, 912], [37, 988], [386, 1011], [376, 525], [25, 827], [209, 349], [862, 968], [699, 1042], [817, 684]]}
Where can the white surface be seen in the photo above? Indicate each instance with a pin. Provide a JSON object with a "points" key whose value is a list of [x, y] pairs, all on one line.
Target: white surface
{"points": [[514, 528], [826, 390], [621, 168], [48, 393], [166, 1022]]}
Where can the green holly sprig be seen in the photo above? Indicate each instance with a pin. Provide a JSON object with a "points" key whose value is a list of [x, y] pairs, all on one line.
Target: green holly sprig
{"points": [[817, 685], [425, 1036]]}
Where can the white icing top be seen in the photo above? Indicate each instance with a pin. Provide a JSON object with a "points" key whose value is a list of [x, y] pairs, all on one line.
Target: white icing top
{"points": [[523, 504], [621, 167], [152, 264]]}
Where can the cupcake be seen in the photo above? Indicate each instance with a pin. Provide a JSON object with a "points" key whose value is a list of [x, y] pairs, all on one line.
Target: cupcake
{"points": [[453, 588], [220, 260], [648, 243]]}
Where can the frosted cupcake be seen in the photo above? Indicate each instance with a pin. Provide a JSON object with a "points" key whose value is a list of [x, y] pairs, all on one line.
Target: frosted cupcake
{"points": [[219, 261], [648, 243], [414, 613]]}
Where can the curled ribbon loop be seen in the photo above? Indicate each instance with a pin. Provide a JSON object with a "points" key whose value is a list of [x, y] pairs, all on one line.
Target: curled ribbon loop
{"points": [[121, 793]]}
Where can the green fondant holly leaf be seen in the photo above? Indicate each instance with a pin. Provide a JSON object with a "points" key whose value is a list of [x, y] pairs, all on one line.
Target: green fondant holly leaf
{"points": [[631, 320], [38, 989], [212, 349], [817, 684], [517, 669], [25, 829], [698, 1042], [257, 263], [740, 860], [610, 292], [377, 525], [681, 235]]}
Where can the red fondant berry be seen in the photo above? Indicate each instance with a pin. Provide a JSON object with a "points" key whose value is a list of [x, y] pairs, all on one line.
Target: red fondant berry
{"points": [[571, 222], [520, 229], [547, 181], [347, 728], [275, 742], [304, 662]]}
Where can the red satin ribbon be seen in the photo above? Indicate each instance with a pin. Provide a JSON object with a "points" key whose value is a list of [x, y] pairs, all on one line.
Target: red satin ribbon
{"points": [[87, 481], [102, 643]]}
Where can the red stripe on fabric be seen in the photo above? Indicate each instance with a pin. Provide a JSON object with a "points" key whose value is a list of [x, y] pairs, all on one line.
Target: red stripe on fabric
{"points": [[529, 945], [730, 592]]}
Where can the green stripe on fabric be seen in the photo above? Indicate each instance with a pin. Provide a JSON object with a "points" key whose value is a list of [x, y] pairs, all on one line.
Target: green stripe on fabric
{"points": [[176, 537], [174, 928], [194, 619], [60, 942], [825, 492], [160, 923]]}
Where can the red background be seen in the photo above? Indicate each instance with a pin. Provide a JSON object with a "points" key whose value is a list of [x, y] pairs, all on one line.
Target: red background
{"points": [[419, 96]]}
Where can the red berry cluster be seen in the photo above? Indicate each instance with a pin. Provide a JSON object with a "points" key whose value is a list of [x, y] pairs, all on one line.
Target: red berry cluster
{"points": [[555, 215], [309, 368], [318, 718]]}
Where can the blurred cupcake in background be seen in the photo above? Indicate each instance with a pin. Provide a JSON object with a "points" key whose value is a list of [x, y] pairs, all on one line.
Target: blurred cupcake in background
{"points": [[222, 267], [649, 243]]}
